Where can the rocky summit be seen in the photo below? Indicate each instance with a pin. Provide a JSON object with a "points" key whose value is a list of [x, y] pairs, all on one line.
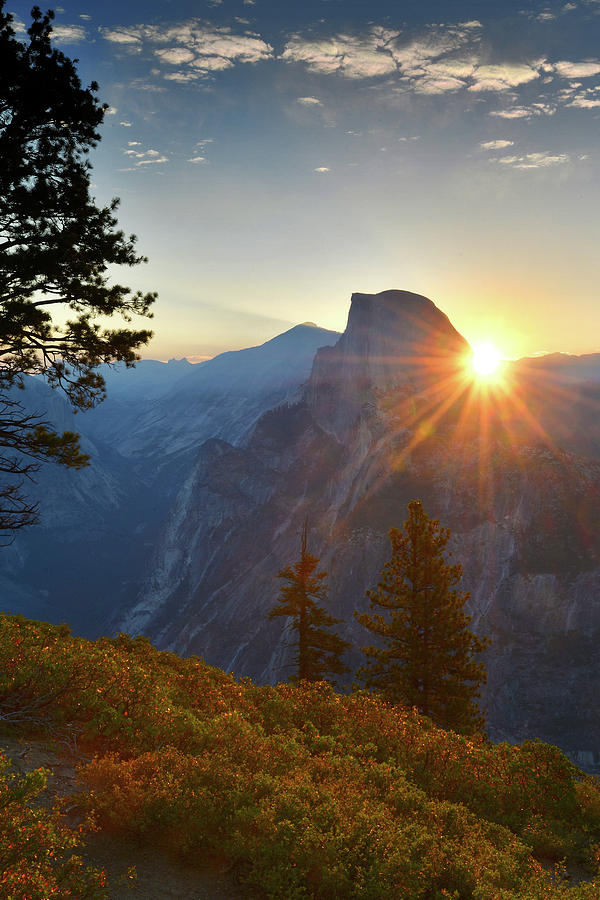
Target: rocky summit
{"points": [[393, 340]]}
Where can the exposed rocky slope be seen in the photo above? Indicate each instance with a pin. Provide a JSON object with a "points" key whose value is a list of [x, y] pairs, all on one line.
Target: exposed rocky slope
{"points": [[389, 415]]}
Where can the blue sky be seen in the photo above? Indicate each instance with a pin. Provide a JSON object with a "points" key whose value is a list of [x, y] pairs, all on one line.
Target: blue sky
{"points": [[273, 157]]}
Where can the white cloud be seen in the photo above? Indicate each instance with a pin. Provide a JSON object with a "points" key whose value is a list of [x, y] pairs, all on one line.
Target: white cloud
{"points": [[145, 156], [175, 55], [438, 76], [69, 34], [585, 102], [111, 111], [141, 85], [181, 77], [524, 112], [309, 101], [18, 26], [584, 69], [85, 17], [125, 124], [439, 41], [150, 162], [197, 159], [194, 48], [533, 160], [134, 143], [501, 77], [439, 85], [441, 60], [368, 56], [322, 169], [210, 63], [495, 145]]}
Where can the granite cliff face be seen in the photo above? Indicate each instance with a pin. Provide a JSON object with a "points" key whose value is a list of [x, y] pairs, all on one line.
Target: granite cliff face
{"points": [[393, 340], [389, 415]]}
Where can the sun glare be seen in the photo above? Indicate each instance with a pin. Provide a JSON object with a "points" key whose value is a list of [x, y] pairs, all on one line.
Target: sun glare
{"points": [[486, 360]]}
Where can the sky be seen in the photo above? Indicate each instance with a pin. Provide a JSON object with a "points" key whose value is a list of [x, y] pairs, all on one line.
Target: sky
{"points": [[273, 157]]}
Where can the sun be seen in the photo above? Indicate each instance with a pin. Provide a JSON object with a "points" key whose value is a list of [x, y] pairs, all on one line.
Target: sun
{"points": [[486, 360]]}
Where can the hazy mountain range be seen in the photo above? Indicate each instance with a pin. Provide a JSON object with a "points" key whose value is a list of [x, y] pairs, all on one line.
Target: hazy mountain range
{"points": [[202, 476]]}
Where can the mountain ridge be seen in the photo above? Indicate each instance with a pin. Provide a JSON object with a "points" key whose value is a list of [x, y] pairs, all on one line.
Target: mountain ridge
{"points": [[350, 464]]}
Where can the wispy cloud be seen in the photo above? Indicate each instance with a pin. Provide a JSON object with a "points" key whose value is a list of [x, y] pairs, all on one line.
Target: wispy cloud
{"points": [[69, 34], [128, 37], [525, 112], [584, 69], [442, 59], [197, 160], [436, 61], [533, 160], [153, 161], [495, 145], [144, 157], [585, 101], [192, 50], [322, 169], [367, 56], [504, 77]]}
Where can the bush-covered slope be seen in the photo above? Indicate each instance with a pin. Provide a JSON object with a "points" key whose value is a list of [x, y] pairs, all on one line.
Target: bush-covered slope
{"points": [[309, 793]]}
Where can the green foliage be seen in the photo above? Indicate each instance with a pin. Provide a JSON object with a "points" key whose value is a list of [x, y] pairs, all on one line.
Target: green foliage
{"points": [[426, 656], [319, 650], [55, 248], [309, 793], [36, 849]]}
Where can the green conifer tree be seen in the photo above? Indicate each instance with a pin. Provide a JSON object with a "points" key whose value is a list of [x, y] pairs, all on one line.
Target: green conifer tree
{"points": [[425, 656], [319, 651]]}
